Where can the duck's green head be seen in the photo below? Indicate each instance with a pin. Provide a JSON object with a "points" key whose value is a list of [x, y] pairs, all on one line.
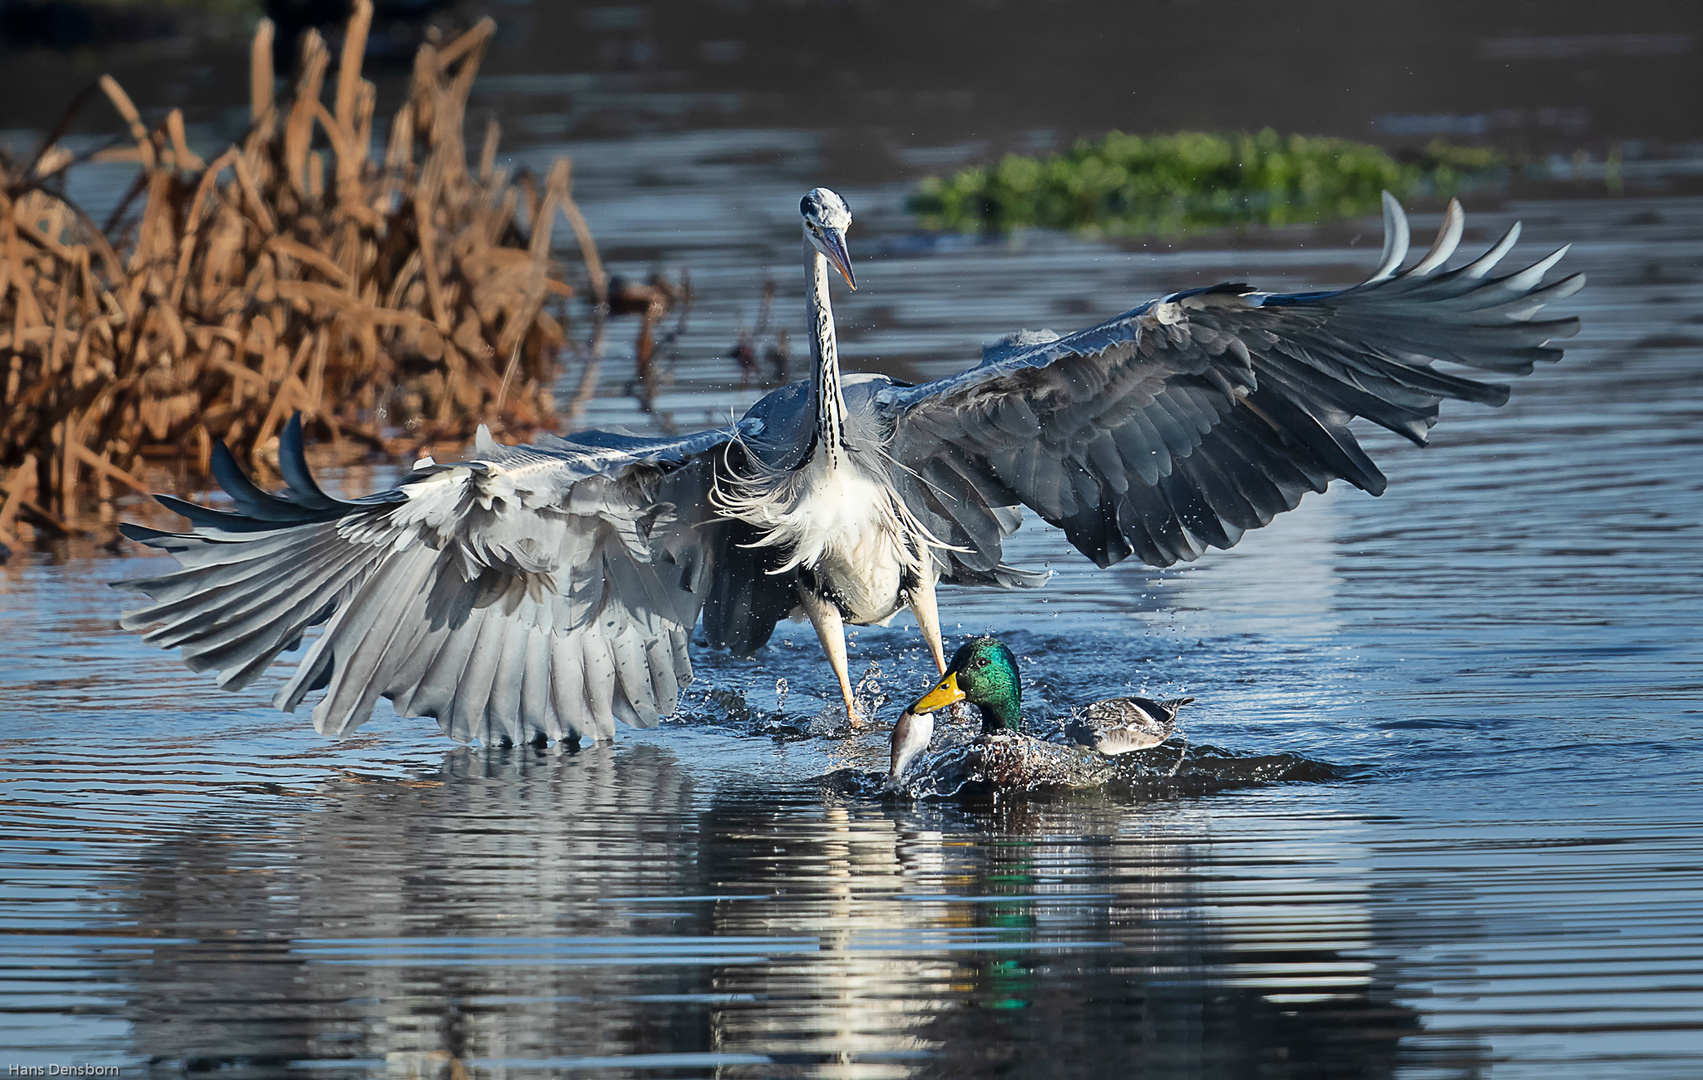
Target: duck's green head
{"points": [[984, 673]]}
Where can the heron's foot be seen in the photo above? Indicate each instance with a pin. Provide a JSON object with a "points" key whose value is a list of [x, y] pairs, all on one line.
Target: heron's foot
{"points": [[854, 718]]}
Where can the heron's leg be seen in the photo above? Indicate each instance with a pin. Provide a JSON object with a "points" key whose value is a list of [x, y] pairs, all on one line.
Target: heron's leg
{"points": [[928, 618], [928, 621], [831, 631]]}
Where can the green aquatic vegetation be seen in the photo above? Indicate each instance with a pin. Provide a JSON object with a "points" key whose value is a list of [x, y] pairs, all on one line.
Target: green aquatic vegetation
{"points": [[1134, 184], [1448, 168]]}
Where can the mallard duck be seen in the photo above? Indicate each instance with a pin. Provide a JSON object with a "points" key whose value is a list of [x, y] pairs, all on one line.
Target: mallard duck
{"points": [[983, 672]]}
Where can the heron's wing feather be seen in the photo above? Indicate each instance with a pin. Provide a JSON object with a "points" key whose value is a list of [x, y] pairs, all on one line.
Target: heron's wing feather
{"points": [[1189, 420], [545, 590]]}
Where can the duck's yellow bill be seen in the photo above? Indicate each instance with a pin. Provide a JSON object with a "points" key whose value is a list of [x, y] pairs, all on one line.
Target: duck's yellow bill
{"points": [[944, 694]]}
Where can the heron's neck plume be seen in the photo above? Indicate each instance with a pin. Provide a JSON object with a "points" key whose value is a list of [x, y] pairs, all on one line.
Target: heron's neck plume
{"points": [[830, 402]]}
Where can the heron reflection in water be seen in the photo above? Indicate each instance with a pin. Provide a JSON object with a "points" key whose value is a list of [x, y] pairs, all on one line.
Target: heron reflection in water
{"points": [[533, 593]]}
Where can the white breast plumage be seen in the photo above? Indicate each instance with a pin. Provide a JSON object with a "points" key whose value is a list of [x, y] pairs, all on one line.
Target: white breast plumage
{"points": [[839, 522]]}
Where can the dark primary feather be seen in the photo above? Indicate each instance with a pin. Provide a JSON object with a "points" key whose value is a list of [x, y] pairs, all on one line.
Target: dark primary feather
{"points": [[1182, 424], [536, 591]]}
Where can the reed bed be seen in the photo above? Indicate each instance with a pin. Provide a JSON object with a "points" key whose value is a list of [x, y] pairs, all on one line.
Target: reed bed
{"points": [[393, 301]]}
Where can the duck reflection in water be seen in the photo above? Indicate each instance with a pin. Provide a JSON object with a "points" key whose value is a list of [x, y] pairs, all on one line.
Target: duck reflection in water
{"points": [[548, 907]]}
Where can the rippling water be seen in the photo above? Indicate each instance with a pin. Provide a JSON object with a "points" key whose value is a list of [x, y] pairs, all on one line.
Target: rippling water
{"points": [[1500, 657]]}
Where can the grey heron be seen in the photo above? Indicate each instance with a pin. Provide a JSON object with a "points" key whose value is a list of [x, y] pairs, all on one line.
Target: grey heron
{"points": [[542, 592]]}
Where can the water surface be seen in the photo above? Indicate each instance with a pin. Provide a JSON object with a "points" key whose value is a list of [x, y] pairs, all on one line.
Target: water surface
{"points": [[1502, 652]]}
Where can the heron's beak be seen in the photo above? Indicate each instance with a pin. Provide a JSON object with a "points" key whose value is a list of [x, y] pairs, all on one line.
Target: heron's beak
{"points": [[944, 693], [834, 241]]}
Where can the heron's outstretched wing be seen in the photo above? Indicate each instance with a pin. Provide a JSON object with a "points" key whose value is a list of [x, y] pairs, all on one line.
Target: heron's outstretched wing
{"points": [[1180, 425], [532, 591]]}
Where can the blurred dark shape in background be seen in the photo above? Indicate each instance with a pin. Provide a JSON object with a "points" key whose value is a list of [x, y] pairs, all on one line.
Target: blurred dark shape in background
{"points": [[71, 25], [64, 25], [908, 89], [396, 25], [653, 300]]}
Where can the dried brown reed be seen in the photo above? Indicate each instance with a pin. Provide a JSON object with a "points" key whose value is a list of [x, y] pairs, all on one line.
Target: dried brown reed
{"points": [[371, 295]]}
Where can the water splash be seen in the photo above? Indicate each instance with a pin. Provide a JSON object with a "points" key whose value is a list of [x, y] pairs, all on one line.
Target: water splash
{"points": [[1021, 765], [869, 694]]}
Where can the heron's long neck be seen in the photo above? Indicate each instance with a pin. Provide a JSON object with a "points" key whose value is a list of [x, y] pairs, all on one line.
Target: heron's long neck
{"points": [[830, 402]]}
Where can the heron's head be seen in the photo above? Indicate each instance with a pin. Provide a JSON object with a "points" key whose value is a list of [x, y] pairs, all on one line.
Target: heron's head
{"points": [[983, 672], [826, 219]]}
